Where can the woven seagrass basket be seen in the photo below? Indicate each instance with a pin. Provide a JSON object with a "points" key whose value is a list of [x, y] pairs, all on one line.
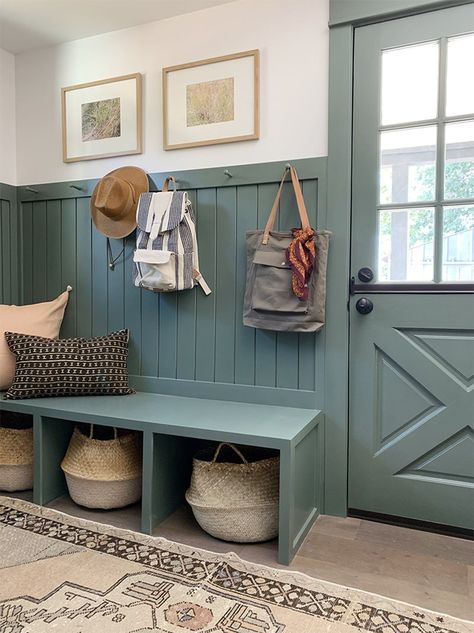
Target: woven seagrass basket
{"points": [[103, 474], [16, 455], [235, 502]]}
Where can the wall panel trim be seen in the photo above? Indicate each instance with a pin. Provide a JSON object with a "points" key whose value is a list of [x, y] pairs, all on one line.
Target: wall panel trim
{"points": [[259, 173]]}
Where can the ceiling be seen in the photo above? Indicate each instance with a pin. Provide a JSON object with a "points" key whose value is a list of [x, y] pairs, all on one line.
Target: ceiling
{"points": [[29, 24]]}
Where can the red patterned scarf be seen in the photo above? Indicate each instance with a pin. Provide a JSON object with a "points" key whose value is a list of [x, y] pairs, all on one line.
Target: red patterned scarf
{"points": [[300, 255]]}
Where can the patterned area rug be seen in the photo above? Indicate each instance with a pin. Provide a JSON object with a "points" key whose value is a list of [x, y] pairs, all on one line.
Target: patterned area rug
{"points": [[65, 575]]}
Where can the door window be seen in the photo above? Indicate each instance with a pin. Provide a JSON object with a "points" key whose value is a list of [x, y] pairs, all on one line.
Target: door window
{"points": [[426, 162]]}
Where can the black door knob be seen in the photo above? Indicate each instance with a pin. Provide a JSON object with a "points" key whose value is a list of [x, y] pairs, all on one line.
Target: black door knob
{"points": [[365, 274], [364, 305]]}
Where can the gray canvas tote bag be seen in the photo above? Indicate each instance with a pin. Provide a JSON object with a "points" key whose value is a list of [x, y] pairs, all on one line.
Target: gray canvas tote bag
{"points": [[270, 302]]}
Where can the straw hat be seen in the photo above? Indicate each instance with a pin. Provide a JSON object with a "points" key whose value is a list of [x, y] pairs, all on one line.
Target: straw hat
{"points": [[115, 199]]}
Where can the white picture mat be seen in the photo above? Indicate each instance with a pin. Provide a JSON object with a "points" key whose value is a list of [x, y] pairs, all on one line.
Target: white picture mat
{"points": [[126, 90], [241, 70]]}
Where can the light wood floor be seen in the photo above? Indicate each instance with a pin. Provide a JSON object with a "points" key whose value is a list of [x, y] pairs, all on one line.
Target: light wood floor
{"points": [[429, 570]]}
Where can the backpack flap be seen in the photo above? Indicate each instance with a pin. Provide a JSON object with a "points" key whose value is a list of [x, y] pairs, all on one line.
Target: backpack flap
{"points": [[156, 269], [161, 212]]}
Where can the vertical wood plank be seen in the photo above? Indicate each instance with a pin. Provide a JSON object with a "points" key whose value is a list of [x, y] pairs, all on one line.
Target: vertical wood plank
{"points": [[53, 249], [27, 251], [132, 306], [39, 251], [99, 283], [307, 341], [244, 336], [310, 193], [287, 360], [83, 288], [5, 253], [69, 264], [225, 285], [115, 289], [150, 303], [206, 306], [15, 254], [265, 341], [186, 336], [287, 342], [168, 335]]}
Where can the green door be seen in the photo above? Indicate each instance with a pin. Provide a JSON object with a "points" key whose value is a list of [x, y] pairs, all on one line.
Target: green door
{"points": [[411, 445]]}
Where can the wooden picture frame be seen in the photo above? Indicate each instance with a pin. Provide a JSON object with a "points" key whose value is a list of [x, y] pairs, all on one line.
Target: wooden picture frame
{"points": [[212, 101], [101, 119]]}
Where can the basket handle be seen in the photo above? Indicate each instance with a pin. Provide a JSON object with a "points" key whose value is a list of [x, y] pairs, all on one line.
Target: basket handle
{"points": [[91, 432], [234, 448]]}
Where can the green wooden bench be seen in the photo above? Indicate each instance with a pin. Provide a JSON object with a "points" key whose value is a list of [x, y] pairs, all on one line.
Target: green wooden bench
{"points": [[170, 426]]}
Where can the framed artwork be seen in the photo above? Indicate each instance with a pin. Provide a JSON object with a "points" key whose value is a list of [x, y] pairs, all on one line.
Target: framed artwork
{"points": [[102, 118], [211, 101]]}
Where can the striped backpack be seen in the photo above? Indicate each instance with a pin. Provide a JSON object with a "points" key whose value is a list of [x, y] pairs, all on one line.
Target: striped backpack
{"points": [[166, 258]]}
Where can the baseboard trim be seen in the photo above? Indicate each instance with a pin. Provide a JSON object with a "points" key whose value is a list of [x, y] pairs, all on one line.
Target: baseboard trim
{"points": [[415, 524]]}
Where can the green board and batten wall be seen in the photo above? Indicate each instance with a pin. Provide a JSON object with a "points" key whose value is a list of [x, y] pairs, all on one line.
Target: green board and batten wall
{"points": [[182, 343]]}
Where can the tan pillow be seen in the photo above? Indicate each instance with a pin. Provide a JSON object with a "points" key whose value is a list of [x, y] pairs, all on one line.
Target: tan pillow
{"points": [[39, 319]]}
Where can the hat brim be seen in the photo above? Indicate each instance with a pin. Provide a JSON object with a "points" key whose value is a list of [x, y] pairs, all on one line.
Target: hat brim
{"points": [[117, 229]]}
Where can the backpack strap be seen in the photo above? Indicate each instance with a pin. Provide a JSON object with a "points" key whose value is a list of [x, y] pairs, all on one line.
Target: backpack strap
{"points": [[202, 282]]}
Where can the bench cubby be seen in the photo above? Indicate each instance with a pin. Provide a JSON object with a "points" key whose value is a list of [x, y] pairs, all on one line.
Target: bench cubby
{"points": [[173, 429]]}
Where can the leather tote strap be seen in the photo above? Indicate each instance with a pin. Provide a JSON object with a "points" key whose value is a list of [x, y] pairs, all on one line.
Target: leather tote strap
{"points": [[299, 200], [167, 182]]}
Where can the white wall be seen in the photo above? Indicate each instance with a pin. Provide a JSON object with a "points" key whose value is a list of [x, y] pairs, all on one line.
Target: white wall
{"points": [[7, 118], [293, 42]]}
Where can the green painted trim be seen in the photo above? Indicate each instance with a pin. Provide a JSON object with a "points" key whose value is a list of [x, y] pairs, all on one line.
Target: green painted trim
{"points": [[179, 416], [358, 12], [255, 174], [228, 392], [345, 15], [337, 319], [8, 193]]}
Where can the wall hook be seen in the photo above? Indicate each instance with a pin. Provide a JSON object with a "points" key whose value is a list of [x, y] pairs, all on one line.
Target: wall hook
{"points": [[288, 166], [76, 187], [227, 173], [31, 189], [113, 260]]}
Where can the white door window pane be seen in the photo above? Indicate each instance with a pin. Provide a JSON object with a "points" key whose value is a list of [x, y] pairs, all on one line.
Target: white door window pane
{"points": [[460, 85], [406, 239], [459, 166], [458, 243], [407, 165], [410, 83]]}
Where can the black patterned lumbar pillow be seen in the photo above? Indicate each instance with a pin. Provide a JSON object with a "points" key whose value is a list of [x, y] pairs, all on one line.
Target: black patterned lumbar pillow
{"points": [[68, 367]]}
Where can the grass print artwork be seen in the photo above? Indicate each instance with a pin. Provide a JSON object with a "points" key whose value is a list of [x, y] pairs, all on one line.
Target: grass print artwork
{"points": [[210, 102], [100, 119]]}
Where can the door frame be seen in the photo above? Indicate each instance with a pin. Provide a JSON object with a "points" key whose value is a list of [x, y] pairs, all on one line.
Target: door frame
{"points": [[345, 16]]}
